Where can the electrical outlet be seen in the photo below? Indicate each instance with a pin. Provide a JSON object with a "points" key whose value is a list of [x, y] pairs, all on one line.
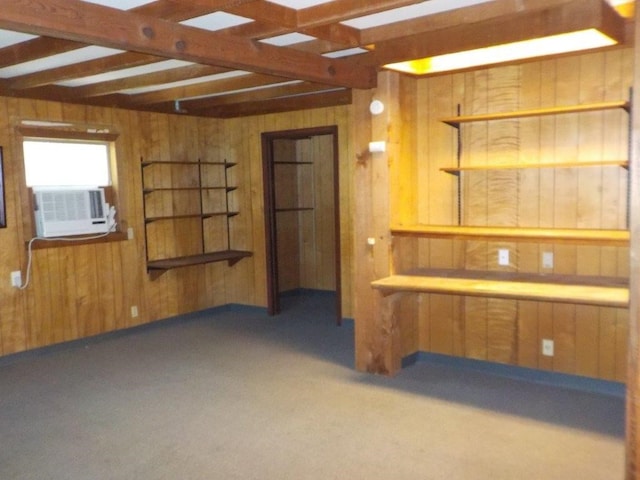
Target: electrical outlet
{"points": [[547, 259], [503, 256], [547, 347], [134, 311], [16, 279]]}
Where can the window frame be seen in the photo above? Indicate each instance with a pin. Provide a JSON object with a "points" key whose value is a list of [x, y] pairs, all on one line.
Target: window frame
{"points": [[59, 131]]}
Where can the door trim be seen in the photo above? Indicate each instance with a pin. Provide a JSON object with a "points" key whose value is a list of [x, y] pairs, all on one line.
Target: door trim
{"points": [[273, 300]]}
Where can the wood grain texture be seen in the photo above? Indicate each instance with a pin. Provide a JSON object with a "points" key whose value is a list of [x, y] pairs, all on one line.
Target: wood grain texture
{"points": [[77, 291], [571, 199]]}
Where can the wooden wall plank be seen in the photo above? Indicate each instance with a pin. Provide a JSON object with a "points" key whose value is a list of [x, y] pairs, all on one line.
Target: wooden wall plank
{"points": [[587, 339]]}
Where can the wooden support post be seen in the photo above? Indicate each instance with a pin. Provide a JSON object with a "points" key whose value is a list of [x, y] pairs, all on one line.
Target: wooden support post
{"points": [[633, 367], [372, 249]]}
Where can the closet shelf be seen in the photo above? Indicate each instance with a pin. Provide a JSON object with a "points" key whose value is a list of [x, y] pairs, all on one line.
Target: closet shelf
{"points": [[606, 163], [294, 209], [593, 107], [602, 291], [550, 235], [158, 267], [175, 162]]}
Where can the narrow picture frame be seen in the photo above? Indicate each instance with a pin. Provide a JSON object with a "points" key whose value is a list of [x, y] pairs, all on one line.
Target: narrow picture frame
{"points": [[3, 208]]}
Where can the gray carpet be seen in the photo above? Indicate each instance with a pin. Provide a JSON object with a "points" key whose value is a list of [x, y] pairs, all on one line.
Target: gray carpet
{"points": [[236, 394]]}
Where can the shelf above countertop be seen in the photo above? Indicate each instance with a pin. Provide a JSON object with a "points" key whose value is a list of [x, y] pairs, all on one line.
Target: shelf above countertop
{"points": [[547, 235], [593, 107], [605, 163], [587, 290]]}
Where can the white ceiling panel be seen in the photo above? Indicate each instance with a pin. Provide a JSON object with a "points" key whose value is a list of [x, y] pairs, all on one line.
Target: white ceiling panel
{"points": [[288, 39], [183, 83], [412, 11], [299, 4], [345, 53], [216, 21], [60, 60], [125, 72], [241, 90], [120, 4], [8, 37]]}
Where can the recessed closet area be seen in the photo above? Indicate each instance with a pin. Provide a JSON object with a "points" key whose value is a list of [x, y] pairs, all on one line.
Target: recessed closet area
{"points": [[301, 194]]}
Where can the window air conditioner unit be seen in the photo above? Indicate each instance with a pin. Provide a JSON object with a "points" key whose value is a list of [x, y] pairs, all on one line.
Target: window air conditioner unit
{"points": [[71, 211]]}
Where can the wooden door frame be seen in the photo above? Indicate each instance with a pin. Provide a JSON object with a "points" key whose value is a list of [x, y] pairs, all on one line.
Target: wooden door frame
{"points": [[268, 180]]}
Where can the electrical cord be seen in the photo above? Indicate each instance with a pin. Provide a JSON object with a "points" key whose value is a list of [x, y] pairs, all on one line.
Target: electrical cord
{"points": [[55, 239]]}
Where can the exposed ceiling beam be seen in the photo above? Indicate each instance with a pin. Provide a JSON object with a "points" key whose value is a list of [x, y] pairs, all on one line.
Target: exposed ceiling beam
{"points": [[249, 80], [288, 104], [336, 33], [341, 10], [453, 18], [155, 78], [41, 47], [261, 94], [267, 12], [35, 49], [118, 61], [565, 16], [82, 21]]}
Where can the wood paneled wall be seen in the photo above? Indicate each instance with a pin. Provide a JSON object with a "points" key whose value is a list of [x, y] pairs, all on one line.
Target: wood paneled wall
{"points": [[588, 340], [82, 290]]}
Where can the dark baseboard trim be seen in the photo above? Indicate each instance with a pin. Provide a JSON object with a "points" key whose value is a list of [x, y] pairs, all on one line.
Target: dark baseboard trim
{"points": [[562, 380], [92, 340]]}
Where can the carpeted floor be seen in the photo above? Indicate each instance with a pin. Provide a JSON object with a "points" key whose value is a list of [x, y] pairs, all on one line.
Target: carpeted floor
{"points": [[236, 394]]}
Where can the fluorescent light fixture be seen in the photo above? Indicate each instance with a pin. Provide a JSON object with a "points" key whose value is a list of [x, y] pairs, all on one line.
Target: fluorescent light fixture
{"points": [[537, 47]]}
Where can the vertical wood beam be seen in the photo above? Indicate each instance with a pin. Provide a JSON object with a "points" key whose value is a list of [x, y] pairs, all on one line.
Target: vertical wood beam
{"points": [[376, 326], [633, 367]]}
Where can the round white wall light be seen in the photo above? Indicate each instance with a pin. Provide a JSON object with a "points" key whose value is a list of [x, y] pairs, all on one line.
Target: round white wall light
{"points": [[376, 107]]}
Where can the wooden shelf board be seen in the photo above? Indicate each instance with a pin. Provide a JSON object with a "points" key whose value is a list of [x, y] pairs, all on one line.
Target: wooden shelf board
{"points": [[155, 268], [602, 291], [194, 215], [69, 240], [294, 209], [456, 121], [292, 163], [613, 163], [547, 235], [175, 162], [185, 189]]}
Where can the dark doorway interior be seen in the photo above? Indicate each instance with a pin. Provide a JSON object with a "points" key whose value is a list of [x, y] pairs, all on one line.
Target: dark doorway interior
{"points": [[302, 213]]}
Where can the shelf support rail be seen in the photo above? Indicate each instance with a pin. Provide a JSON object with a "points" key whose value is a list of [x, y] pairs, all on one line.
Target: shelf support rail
{"points": [[226, 198], [459, 164]]}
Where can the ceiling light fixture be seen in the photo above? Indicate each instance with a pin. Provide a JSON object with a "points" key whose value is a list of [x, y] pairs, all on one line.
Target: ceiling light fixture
{"points": [[600, 30]]}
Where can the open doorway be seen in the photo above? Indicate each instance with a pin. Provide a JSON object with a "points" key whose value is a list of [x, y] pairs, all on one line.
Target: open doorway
{"points": [[302, 214]]}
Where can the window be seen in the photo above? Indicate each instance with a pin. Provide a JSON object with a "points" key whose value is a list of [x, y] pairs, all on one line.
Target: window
{"points": [[70, 180], [53, 162]]}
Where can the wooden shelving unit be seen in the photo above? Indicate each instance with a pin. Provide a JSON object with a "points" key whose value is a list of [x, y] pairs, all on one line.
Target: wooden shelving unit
{"points": [[612, 163], [606, 291], [156, 267], [541, 112], [603, 291], [294, 208], [544, 235]]}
